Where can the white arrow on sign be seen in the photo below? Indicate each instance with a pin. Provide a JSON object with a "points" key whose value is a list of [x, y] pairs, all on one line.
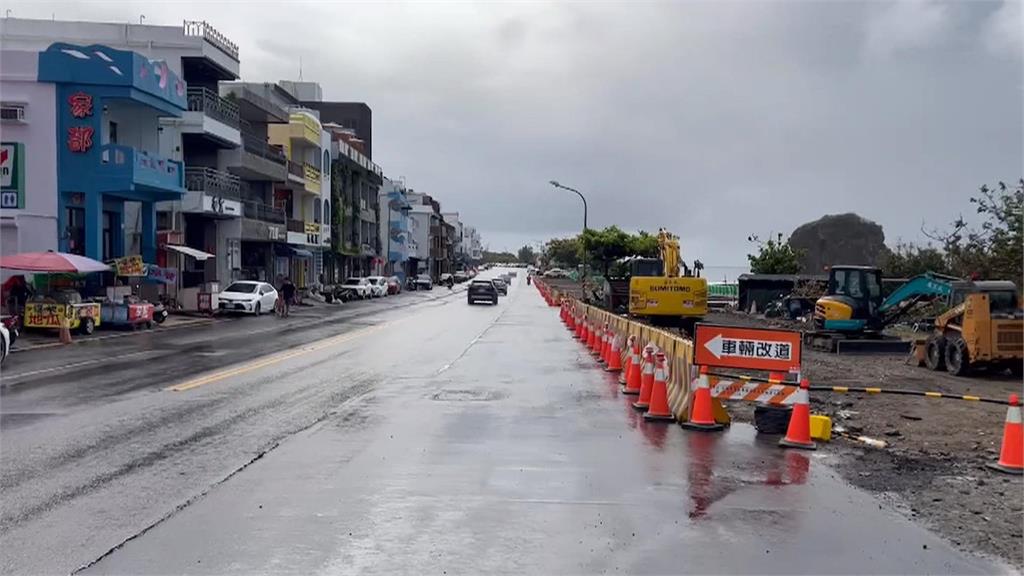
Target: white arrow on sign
{"points": [[748, 348]]}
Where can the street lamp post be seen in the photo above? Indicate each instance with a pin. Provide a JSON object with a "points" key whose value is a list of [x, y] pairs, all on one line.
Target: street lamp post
{"points": [[583, 238]]}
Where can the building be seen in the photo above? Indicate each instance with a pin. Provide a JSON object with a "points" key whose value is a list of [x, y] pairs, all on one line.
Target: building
{"points": [[260, 166], [356, 245], [458, 259], [81, 149], [200, 57], [474, 250], [394, 228], [301, 196], [355, 116]]}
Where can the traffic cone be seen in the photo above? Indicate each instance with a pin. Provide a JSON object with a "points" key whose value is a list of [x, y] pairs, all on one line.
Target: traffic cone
{"points": [[633, 372], [606, 344], [658, 409], [798, 435], [561, 313], [646, 379], [1011, 457], [64, 332], [614, 356], [591, 335], [579, 327], [571, 323], [595, 346], [627, 362], [702, 416]]}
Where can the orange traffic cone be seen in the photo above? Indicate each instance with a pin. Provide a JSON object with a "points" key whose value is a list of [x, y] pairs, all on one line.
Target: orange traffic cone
{"points": [[614, 356], [591, 335], [633, 371], [606, 344], [702, 417], [1011, 457], [580, 325], [798, 435], [658, 409], [561, 312], [595, 347], [646, 379], [571, 320]]}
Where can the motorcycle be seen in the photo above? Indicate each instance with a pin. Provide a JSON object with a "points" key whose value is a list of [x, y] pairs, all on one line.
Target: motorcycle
{"points": [[160, 313], [13, 324]]}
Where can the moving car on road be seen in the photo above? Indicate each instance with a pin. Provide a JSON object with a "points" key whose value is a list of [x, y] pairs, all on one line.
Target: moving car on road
{"points": [[360, 287], [500, 286], [378, 286], [482, 290], [248, 296], [423, 282]]}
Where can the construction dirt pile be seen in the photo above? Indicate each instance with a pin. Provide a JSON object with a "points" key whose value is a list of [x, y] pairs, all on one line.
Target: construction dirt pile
{"points": [[933, 468]]}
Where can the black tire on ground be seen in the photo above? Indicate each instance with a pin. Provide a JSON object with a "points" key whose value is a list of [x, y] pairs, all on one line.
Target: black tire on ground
{"points": [[958, 361], [494, 301], [149, 325], [470, 300], [771, 419], [88, 326], [258, 309], [935, 352], [3, 351]]}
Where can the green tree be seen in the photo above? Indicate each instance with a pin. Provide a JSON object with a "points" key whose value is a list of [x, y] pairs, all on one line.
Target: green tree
{"points": [[564, 252], [910, 260], [606, 246], [774, 256], [643, 245], [526, 255], [498, 257]]}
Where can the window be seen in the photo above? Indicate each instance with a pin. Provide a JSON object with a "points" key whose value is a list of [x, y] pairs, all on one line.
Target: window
{"points": [[109, 218], [74, 227], [112, 132]]}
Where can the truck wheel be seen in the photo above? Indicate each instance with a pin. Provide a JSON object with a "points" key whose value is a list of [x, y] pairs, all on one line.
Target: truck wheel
{"points": [[958, 361], [88, 326], [935, 352]]}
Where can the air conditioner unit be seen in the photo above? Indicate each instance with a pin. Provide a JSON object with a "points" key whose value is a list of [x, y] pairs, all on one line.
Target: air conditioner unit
{"points": [[12, 112]]}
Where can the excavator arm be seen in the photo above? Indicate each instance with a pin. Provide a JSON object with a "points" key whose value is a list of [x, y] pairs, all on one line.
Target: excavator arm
{"points": [[928, 286], [668, 246]]}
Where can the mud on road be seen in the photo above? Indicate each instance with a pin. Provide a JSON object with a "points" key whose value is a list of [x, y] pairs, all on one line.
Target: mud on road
{"points": [[934, 467]]}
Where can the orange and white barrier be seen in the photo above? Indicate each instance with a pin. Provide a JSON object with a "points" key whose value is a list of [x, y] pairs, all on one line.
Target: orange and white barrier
{"points": [[751, 391]]}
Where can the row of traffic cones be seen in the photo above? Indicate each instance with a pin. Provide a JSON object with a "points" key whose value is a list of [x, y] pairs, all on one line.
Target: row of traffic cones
{"points": [[646, 376]]}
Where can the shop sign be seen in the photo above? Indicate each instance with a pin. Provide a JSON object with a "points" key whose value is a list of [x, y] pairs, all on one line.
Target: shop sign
{"points": [[80, 138], [130, 266], [51, 315], [164, 275], [12, 175]]}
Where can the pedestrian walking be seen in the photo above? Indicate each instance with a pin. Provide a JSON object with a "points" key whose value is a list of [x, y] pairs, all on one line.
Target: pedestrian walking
{"points": [[287, 295]]}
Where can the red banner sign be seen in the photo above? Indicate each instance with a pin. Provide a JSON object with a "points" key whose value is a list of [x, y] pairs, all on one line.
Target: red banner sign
{"points": [[747, 348]]}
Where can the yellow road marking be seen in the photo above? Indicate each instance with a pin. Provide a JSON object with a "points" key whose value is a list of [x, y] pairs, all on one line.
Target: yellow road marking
{"points": [[974, 398], [933, 394], [873, 390], [840, 389], [277, 358]]}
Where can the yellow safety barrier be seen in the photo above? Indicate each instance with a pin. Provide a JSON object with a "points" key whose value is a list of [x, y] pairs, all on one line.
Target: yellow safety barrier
{"points": [[678, 353]]}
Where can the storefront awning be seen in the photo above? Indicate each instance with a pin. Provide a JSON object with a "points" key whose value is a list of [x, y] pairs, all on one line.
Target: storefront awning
{"points": [[188, 251], [286, 250]]}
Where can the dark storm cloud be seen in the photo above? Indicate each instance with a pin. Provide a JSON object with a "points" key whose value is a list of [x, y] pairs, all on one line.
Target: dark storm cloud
{"points": [[714, 119]]}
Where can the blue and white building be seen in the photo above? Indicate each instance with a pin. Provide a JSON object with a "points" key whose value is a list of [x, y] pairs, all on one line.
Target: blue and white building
{"points": [[395, 235]]}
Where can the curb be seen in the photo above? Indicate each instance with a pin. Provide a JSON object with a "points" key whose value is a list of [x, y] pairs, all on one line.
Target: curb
{"points": [[183, 324]]}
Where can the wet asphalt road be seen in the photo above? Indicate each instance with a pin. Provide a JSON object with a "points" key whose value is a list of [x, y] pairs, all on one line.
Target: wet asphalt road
{"points": [[433, 438]]}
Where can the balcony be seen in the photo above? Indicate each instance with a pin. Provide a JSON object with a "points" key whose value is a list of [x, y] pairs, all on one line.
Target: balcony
{"points": [[312, 176], [256, 160], [126, 169], [212, 117], [205, 44], [296, 171], [296, 226], [211, 192], [263, 223], [257, 102]]}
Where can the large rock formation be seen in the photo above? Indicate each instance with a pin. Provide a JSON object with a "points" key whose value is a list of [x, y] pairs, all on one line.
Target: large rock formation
{"points": [[838, 239]]}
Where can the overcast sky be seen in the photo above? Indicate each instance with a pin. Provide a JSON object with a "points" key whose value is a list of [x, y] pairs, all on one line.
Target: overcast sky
{"points": [[713, 119]]}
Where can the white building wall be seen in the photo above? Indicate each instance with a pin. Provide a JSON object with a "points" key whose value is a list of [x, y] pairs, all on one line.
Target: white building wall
{"points": [[33, 228]]}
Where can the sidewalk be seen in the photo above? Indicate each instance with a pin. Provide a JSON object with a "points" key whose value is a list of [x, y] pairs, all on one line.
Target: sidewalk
{"points": [[32, 339]]}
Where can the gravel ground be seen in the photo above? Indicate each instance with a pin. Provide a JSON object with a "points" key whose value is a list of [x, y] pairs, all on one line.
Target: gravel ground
{"points": [[934, 467]]}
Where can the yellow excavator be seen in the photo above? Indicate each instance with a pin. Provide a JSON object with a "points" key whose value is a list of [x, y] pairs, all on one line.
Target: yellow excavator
{"points": [[658, 292]]}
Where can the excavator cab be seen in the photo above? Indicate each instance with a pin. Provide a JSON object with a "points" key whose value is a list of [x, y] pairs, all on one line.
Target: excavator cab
{"points": [[853, 300]]}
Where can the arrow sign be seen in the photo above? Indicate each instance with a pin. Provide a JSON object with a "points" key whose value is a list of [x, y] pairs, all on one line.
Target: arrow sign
{"points": [[748, 348]]}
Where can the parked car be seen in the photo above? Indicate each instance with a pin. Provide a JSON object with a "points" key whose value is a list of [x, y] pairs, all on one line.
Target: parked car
{"points": [[360, 287], [378, 286], [482, 290], [248, 296], [555, 273], [394, 285], [461, 276], [500, 286], [5, 343], [423, 282]]}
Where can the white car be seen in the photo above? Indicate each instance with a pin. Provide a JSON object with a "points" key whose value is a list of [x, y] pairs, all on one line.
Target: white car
{"points": [[378, 286], [359, 286], [5, 343], [248, 296]]}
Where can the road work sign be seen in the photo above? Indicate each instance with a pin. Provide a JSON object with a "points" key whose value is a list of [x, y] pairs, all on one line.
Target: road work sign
{"points": [[748, 348]]}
